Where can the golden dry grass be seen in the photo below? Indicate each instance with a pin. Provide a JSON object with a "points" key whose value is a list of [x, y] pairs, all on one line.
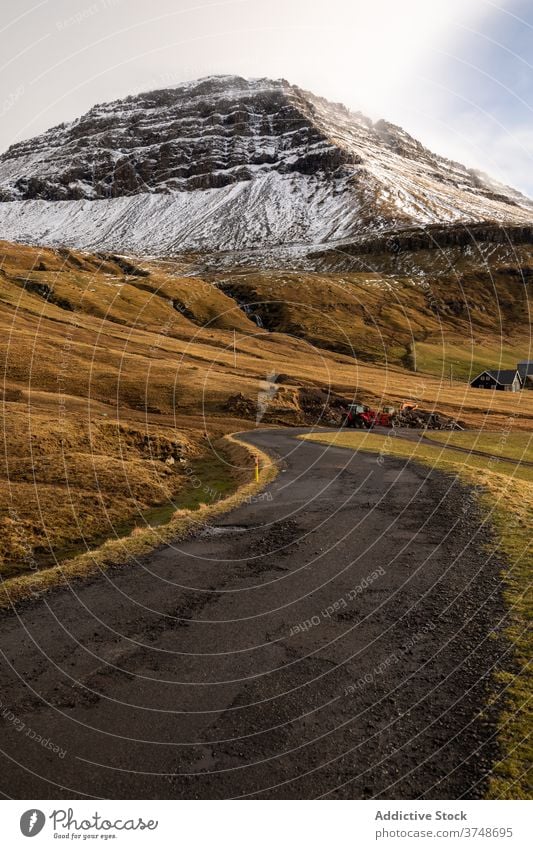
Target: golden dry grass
{"points": [[112, 367], [142, 540], [516, 446], [109, 364]]}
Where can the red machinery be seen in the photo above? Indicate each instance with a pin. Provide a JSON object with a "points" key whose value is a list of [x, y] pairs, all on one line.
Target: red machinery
{"points": [[408, 415], [361, 416]]}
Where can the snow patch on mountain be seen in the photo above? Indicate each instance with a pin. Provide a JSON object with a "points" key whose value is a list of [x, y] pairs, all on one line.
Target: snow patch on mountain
{"points": [[225, 163]]}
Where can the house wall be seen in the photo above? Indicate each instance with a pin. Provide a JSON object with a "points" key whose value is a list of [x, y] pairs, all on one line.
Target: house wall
{"points": [[485, 381]]}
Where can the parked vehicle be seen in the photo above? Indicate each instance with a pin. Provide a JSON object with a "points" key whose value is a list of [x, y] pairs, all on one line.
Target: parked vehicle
{"points": [[359, 416], [408, 415]]}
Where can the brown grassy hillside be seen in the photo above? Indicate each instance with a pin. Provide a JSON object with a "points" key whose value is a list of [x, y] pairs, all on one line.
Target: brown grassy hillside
{"points": [[120, 376], [464, 307]]}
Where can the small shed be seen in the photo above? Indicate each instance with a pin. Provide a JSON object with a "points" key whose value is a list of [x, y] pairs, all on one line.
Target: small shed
{"points": [[506, 380], [525, 372]]}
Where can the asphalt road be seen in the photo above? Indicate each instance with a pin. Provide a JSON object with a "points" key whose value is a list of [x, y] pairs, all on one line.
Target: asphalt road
{"points": [[332, 639]]}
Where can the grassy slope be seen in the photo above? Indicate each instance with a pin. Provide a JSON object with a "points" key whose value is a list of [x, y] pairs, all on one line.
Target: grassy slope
{"points": [[497, 486], [462, 308], [109, 369], [110, 372], [124, 550]]}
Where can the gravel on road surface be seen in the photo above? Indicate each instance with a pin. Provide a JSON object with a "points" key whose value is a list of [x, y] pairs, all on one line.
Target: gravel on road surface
{"points": [[334, 637]]}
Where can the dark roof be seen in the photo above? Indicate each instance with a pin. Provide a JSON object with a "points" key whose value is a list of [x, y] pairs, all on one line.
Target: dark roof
{"points": [[525, 368], [502, 376]]}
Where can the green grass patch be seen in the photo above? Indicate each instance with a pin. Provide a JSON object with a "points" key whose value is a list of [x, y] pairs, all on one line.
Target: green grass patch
{"points": [[143, 540], [516, 446], [505, 490], [467, 359]]}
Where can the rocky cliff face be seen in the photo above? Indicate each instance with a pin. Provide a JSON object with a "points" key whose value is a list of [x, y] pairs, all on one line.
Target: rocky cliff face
{"points": [[226, 163], [204, 135]]}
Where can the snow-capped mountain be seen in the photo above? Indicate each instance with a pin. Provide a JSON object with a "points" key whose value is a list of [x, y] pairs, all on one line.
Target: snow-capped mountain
{"points": [[225, 163]]}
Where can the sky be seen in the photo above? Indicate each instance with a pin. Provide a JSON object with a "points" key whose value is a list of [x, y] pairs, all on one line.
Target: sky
{"points": [[456, 74]]}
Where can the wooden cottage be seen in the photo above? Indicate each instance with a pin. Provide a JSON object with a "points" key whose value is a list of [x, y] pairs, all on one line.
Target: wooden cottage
{"points": [[506, 380], [525, 372]]}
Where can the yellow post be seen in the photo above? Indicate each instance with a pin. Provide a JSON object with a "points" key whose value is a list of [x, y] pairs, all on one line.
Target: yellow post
{"points": [[257, 469]]}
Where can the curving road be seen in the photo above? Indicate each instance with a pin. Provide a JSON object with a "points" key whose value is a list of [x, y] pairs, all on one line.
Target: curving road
{"points": [[330, 639]]}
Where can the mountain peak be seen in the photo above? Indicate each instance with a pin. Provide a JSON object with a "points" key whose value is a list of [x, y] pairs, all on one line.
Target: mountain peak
{"points": [[258, 160]]}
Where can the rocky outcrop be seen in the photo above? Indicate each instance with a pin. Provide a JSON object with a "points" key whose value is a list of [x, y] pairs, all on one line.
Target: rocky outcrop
{"points": [[203, 135]]}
